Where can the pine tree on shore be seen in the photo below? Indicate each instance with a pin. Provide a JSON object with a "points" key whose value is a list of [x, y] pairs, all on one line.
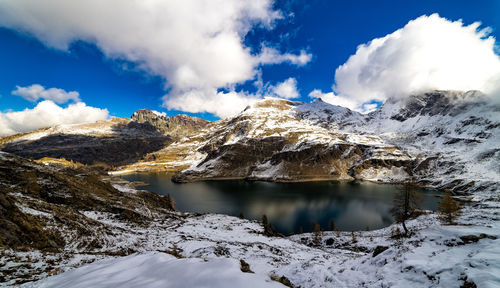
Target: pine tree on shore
{"points": [[317, 235], [448, 208]]}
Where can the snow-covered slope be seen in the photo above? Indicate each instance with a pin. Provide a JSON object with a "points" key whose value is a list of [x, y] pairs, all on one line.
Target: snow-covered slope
{"points": [[158, 270]]}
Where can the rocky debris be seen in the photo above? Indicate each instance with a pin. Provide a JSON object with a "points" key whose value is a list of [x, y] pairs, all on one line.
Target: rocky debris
{"points": [[468, 239], [379, 249], [245, 267]]}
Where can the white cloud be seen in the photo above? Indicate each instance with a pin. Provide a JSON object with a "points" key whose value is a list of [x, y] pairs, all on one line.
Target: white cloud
{"points": [[34, 92], [286, 89], [272, 56], [222, 104], [333, 99], [430, 52], [229, 103], [196, 45], [157, 113], [47, 113]]}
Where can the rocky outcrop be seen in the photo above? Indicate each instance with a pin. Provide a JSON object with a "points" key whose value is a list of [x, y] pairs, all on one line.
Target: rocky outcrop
{"points": [[175, 126]]}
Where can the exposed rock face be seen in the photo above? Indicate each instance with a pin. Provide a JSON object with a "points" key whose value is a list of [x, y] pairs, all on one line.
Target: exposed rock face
{"points": [[176, 126]]}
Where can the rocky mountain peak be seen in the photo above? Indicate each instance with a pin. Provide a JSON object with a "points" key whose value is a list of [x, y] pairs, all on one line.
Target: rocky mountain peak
{"points": [[179, 125]]}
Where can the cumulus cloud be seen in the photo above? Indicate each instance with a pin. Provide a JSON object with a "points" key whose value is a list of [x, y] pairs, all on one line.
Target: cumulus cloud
{"points": [[286, 89], [228, 103], [47, 113], [195, 45], [429, 52], [35, 92], [222, 104]]}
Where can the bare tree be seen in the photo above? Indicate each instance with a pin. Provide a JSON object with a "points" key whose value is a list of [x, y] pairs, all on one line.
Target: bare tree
{"points": [[406, 203]]}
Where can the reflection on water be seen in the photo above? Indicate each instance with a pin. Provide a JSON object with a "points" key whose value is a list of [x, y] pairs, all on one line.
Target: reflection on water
{"points": [[288, 206]]}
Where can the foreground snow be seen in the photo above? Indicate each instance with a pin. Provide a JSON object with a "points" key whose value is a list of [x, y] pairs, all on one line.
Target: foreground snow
{"points": [[158, 270], [210, 246]]}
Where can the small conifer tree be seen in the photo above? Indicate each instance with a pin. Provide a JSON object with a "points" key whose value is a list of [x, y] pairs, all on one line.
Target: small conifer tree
{"points": [[332, 225], [448, 208], [317, 235], [264, 219]]}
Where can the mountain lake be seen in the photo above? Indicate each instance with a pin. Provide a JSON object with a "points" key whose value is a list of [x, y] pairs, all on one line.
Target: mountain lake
{"points": [[289, 207]]}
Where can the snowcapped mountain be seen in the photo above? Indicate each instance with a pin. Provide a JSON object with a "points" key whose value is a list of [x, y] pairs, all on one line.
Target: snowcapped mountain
{"points": [[445, 139], [279, 140]]}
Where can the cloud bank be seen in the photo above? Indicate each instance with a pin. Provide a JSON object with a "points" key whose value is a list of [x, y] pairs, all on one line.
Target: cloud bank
{"points": [[195, 45], [35, 92], [429, 52], [47, 113]]}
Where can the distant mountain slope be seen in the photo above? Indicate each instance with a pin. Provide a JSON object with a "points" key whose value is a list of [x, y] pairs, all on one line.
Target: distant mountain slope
{"points": [[455, 134], [118, 141]]}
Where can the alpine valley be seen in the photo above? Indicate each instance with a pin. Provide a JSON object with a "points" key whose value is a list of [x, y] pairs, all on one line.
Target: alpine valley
{"points": [[65, 205]]}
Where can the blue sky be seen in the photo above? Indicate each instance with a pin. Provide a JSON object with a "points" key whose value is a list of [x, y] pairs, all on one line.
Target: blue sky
{"points": [[329, 30]]}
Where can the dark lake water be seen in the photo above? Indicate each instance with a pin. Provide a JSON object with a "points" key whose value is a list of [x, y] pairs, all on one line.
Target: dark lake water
{"points": [[289, 206]]}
